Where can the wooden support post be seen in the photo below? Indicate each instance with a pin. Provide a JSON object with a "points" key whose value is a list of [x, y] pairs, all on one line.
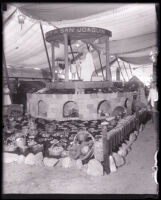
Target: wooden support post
{"points": [[53, 60], [74, 60], [66, 57], [42, 32], [106, 150], [6, 74], [101, 65], [108, 74]]}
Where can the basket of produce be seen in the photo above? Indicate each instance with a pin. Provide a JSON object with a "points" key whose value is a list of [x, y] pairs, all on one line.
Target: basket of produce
{"points": [[64, 154], [10, 147], [8, 130], [83, 146], [31, 142], [20, 142], [12, 123], [25, 130], [33, 132], [55, 151]]}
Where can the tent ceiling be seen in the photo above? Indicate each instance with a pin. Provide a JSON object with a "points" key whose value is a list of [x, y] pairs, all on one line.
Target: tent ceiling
{"points": [[64, 11], [133, 28]]}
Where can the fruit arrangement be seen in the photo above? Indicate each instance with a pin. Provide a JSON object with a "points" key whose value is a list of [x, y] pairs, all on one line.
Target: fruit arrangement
{"points": [[54, 138]]}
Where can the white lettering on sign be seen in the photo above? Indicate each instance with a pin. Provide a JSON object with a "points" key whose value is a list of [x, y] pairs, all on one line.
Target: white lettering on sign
{"points": [[66, 30], [88, 29], [71, 29], [92, 30], [62, 30], [78, 29], [84, 29]]}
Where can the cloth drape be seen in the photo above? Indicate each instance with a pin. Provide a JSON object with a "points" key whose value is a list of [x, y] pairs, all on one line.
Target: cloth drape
{"points": [[87, 67]]}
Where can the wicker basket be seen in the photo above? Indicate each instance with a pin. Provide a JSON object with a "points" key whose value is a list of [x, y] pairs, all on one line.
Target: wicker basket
{"points": [[90, 153]]}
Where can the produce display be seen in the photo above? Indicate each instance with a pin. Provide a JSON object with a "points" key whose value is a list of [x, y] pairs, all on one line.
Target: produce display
{"points": [[74, 138]]}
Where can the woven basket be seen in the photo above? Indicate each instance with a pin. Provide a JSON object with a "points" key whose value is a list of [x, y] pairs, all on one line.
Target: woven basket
{"points": [[91, 151]]}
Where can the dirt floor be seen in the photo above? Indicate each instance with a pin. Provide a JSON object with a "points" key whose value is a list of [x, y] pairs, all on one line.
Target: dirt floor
{"points": [[135, 177]]}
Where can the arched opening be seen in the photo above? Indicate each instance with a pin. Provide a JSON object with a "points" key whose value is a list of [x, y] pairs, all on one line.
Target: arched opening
{"points": [[104, 108], [42, 108], [70, 109], [118, 111]]}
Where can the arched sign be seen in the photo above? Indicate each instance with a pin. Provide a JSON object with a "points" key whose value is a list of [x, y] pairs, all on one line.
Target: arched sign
{"points": [[76, 33]]}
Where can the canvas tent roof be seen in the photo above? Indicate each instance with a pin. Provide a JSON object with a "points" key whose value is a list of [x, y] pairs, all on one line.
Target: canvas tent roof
{"points": [[133, 27]]}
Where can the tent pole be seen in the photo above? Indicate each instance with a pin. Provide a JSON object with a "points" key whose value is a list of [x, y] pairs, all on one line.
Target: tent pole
{"points": [[126, 70], [120, 69], [108, 74], [66, 57], [130, 69], [101, 66], [94, 64], [46, 49], [9, 18], [97, 70], [73, 58], [53, 60], [7, 77]]}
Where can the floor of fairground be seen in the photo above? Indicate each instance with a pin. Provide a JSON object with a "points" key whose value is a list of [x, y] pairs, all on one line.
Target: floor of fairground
{"points": [[135, 177]]}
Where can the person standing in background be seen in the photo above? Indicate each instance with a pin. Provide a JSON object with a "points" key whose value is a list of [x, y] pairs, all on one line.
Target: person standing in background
{"points": [[153, 100], [136, 106], [6, 99], [6, 96], [127, 106]]}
